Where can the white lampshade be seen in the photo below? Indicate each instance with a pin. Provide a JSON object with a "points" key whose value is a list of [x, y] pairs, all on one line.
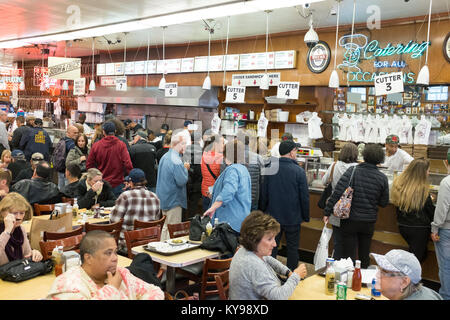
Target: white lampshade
{"points": [[424, 76], [311, 37], [162, 84], [22, 86], [207, 83], [264, 82], [65, 85], [334, 80], [92, 85]]}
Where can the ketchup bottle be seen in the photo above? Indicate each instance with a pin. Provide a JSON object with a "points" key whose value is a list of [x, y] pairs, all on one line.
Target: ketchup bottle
{"points": [[356, 280]]}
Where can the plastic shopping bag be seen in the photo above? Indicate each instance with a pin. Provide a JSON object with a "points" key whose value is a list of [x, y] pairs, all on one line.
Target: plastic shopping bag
{"points": [[321, 255]]}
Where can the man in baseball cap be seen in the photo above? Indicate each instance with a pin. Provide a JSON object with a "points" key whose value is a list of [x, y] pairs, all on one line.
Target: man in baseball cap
{"points": [[289, 146], [396, 159], [399, 277]]}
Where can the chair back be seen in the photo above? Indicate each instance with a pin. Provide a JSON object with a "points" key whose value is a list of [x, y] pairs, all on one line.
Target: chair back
{"points": [[70, 243], [67, 200], [61, 235], [211, 268], [113, 228], [223, 284], [43, 208], [139, 237], [179, 229], [139, 224]]}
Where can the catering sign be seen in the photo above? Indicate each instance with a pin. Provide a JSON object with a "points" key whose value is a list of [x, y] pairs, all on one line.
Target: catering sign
{"points": [[388, 83], [64, 68], [254, 79], [288, 90], [235, 94], [318, 57]]}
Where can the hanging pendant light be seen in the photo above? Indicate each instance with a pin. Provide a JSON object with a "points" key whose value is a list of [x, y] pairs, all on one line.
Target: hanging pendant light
{"points": [[148, 58], [334, 78], [207, 81], [265, 78], [311, 37], [226, 54], [65, 85], [92, 83], [162, 83], [424, 75], [22, 83]]}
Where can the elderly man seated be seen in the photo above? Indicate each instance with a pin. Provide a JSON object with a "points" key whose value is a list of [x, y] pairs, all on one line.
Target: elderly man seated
{"points": [[99, 277]]}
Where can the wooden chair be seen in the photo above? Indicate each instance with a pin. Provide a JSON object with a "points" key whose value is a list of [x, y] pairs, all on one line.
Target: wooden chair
{"points": [[138, 224], [179, 229], [43, 209], [139, 237], [211, 268], [223, 284], [70, 243], [113, 228], [62, 235], [68, 200]]}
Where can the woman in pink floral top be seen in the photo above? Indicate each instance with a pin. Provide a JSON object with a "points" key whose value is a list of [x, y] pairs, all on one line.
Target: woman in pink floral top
{"points": [[99, 277]]}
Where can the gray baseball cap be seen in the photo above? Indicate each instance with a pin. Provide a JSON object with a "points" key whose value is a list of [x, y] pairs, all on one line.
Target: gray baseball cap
{"points": [[400, 261]]}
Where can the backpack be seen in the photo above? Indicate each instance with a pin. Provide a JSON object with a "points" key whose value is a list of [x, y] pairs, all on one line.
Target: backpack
{"points": [[59, 156]]}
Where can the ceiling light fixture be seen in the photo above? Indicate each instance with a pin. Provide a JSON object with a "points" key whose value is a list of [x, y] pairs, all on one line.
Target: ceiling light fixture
{"points": [[265, 78], [311, 37], [207, 81], [92, 84], [148, 58], [334, 78], [424, 75], [65, 85], [162, 83]]}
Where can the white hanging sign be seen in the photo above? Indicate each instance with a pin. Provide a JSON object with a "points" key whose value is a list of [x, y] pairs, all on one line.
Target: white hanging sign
{"points": [[121, 83], [288, 90], [254, 79], [171, 89], [79, 86], [235, 94], [388, 83]]}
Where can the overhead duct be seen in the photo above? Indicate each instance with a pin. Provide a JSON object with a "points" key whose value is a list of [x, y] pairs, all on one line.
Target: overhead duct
{"points": [[188, 96]]}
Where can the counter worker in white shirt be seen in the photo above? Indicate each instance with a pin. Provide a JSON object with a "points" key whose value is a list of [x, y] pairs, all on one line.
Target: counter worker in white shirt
{"points": [[274, 151], [396, 159], [186, 133]]}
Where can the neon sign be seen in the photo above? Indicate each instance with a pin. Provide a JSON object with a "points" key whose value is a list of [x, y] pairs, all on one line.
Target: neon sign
{"points": [[416, 50]]}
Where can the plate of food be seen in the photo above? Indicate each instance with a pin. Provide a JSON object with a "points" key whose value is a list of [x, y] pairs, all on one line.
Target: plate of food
{"points": [[176, 242]]}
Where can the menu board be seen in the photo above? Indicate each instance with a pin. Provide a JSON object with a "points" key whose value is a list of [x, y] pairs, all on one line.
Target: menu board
{"points": [[232, 62], [169, 65], [285, 59], [256, 61], [129, 67], [200, 64], [139, 67], [109, 69], [118, 68], [187, 64], [101, 69], [151, 66]]}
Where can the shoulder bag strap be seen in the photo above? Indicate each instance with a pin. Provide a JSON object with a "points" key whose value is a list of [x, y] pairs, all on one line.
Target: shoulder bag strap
{"points": [[210, 171], [330, 178], [351, 177]]}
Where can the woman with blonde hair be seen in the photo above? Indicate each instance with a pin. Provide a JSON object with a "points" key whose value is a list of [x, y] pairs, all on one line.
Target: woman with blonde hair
{"points": [[14, 244], [5, 159], [410, 194]]}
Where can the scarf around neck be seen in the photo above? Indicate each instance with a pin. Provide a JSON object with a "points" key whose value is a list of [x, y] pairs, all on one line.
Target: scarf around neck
{"points": [[13, 248]]}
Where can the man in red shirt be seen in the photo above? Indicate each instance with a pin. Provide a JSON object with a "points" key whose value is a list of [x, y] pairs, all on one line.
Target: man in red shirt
{"points": [[111, 157]]}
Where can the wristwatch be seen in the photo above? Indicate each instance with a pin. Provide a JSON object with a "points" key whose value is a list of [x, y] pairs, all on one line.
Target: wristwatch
{"points": [[287, 272]]}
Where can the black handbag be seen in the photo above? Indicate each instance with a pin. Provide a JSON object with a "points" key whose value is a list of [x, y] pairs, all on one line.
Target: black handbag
{"points": [[197, 227], [21, 270], [223, 238], [326, 193], [142, 267]]}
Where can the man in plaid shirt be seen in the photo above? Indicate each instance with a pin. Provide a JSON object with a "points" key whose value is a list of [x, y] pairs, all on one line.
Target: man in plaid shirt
{"points": [[137, 203]]}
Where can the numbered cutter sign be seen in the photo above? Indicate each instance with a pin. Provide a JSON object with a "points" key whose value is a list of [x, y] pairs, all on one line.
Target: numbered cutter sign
{"points": [[288, 90], [235, 94], [171, 89], [388, 83]]}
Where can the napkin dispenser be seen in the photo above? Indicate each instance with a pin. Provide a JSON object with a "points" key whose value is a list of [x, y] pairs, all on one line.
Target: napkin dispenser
{"points": [[72, 259]]}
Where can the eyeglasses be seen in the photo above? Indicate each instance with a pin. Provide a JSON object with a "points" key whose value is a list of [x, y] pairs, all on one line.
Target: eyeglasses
{"points": [[18, 213]]}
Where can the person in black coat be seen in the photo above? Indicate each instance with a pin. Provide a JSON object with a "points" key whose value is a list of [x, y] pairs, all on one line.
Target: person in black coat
{"points": [[143, 156], [28, 171], [371, 189], [73, 174], [18, 133], [193, 155], [18, 163], [93, 191]]}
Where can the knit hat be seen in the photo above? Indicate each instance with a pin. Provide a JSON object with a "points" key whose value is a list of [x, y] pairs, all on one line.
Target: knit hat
{"points": [[165, 126], [400, 261], [392, 139], [187, 122], [109, 127], [287, 146]]}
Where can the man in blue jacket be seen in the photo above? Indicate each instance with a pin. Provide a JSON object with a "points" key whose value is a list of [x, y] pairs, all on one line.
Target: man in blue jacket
{"points": [[285, 197], [171, 183], [35, 140]]}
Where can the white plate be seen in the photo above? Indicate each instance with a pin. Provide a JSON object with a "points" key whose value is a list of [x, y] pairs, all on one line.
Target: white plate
{"points": [[183, 241]]}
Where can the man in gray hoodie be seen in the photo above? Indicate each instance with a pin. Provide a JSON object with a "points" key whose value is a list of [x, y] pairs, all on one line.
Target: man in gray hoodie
{"points": [[440, 232]]}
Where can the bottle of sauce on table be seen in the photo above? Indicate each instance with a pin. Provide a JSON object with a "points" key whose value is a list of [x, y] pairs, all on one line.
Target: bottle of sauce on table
{"points": [[356, 280], [75, 208], [208, 228], [58, 260], [330, 277]]}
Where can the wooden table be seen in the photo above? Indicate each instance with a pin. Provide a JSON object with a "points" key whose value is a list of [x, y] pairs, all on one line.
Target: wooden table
{"points": [[178, 260], [75, 222], [313, 288], [37, 288]]}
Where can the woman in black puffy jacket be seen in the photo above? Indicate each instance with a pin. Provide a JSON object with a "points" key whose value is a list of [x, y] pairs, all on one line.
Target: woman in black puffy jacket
{"points": [[371, 189]]}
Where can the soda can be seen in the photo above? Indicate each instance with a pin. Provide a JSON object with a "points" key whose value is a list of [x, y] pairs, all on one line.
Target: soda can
{"points": [[341, 291]]}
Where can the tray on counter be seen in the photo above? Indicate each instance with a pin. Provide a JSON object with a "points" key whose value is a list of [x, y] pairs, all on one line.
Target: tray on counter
{"points": [[167, 249]]}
